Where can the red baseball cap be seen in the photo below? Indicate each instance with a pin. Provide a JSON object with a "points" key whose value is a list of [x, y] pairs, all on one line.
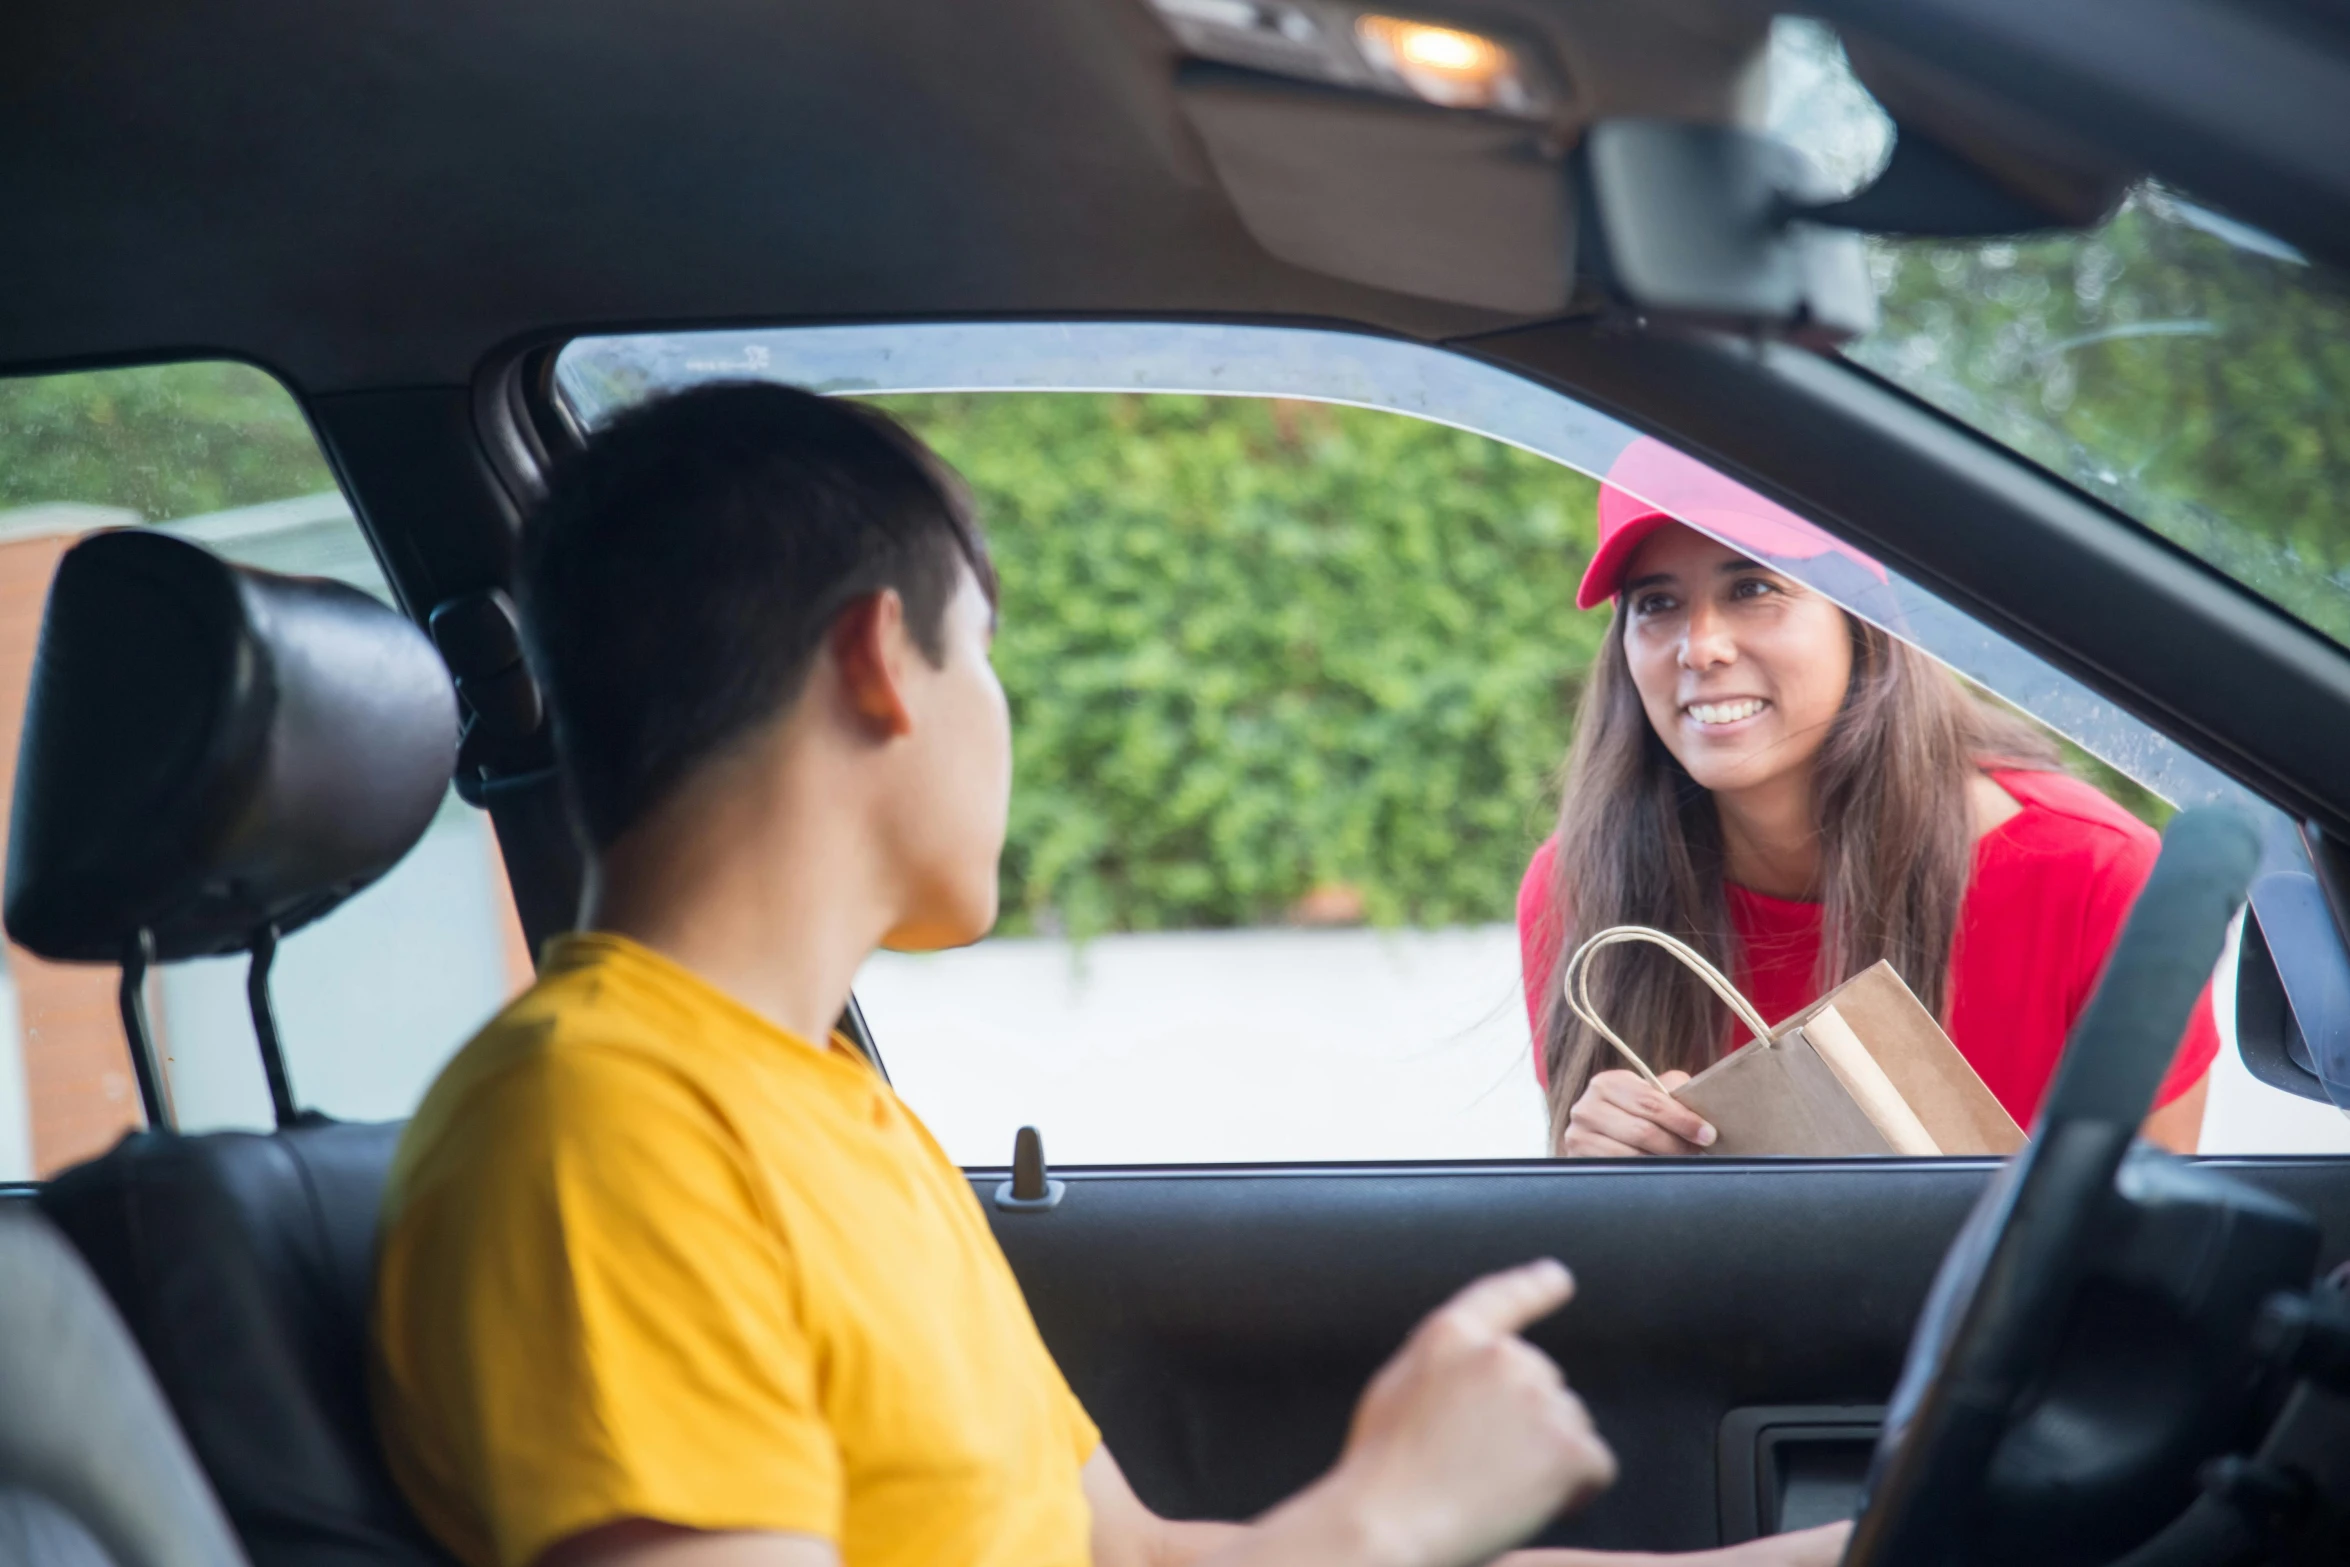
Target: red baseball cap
{"points": [[1651, 485]]}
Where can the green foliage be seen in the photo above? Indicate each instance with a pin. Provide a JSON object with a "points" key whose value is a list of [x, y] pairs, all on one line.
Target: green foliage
{"points": [[162, 440], [2191, 373], [1256, 649], [2118, 786], [1259, 653]]}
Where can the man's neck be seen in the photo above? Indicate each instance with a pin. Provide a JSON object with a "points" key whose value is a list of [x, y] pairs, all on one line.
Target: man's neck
{"points": [[1770, 841], [765, 892]]}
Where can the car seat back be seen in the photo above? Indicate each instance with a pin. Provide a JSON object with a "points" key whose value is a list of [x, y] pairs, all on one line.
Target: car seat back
{"points": [[243, 1264], [93, 1470], [212, 757]]}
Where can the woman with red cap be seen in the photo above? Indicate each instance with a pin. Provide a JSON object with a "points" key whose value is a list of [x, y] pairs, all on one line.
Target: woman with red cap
{"points": [[1798, 795]]}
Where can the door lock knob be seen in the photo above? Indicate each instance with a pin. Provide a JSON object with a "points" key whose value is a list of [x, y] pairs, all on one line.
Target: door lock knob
{"points": [[1031, 1188]]}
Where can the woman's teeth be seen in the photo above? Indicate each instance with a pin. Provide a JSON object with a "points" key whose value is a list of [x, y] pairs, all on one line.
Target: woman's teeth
{"points": [[1726, 712]]}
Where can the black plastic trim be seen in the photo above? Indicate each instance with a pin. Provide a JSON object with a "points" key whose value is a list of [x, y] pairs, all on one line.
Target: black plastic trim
{"points": [[1748, 1450], [421, 466], [1219, 1324]]}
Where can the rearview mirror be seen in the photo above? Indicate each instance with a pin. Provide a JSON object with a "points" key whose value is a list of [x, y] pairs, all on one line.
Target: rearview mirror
{"points": [[1697, 222]]}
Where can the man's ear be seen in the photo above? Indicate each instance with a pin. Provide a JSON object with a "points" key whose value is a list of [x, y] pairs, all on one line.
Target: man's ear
{"points": [[871, 649]]}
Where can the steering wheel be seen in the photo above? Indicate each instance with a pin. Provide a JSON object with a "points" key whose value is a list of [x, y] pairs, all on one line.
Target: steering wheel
{"points": [[1999, 1307]]}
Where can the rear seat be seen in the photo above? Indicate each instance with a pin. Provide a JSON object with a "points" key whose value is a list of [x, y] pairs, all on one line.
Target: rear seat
{"points": [[212, 753]]}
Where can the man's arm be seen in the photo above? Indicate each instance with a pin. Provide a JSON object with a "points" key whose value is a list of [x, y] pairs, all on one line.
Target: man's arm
{"points": [[1463, 1443], [640, 1542], [1126, 1533], [1466, 1441]]}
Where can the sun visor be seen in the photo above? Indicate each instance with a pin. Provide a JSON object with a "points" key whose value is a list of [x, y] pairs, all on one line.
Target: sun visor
{"points": [[1471, 208], [211, 750]]}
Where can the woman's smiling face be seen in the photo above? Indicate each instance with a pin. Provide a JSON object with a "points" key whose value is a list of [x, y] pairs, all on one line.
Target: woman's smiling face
{"points": [[1741, 670]]}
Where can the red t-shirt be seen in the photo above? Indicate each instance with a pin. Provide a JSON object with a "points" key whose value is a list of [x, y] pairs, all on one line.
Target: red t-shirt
{"points": [[2050, 888]]}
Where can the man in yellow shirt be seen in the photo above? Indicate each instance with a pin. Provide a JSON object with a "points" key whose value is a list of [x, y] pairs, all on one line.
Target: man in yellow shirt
{"points": [[668, 1276]]}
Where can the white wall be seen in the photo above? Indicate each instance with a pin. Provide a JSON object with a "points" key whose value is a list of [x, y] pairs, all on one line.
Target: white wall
{"points": [[16, 1111], [1196, 1047], [370, 1000], [1289, 1045], [1212, 1046]]}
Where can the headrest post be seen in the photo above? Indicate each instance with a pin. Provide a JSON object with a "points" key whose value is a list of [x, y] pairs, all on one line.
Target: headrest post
{"points": [[273, 1055], [154, 1087]]}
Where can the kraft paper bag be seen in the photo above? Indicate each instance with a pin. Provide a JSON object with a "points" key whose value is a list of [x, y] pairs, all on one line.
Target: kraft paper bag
{"points": [[1780, 1098], [1863, 1070], [1933, 1079]]}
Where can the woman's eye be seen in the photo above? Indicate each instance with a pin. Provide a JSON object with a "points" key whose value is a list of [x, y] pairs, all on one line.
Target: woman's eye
{"points": [[1753, 587], [1652, 603]]}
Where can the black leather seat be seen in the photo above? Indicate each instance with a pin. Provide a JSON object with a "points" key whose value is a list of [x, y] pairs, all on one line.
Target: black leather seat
{"points": [[212, 756], [242, 1264]]}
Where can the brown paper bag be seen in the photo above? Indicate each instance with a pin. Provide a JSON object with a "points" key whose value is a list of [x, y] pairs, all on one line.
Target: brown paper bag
{"points": [[1863, 1070]]}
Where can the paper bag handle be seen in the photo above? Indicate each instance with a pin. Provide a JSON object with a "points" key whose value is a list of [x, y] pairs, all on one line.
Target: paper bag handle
{"points": [[1576, 979]]}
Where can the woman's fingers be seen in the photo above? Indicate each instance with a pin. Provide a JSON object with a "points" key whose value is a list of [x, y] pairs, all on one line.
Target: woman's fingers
{"points": [[1636, 1132], [1621, 1114], [1601, 1130], [1637, 1097], [1594, 1146]]}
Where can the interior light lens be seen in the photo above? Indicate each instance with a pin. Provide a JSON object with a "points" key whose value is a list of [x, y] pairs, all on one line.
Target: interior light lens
{"points": [[1334, 42], [1445, 65]]}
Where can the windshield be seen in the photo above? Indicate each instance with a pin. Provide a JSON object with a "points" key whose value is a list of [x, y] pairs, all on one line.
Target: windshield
{"points": [[2184, 368], [2188, 370]]}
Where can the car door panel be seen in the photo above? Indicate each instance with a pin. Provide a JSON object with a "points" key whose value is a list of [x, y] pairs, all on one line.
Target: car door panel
{"points": [[1218, 1323]]}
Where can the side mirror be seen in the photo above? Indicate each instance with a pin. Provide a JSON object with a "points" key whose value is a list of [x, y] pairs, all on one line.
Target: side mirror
{"points": [[2293, 991]]}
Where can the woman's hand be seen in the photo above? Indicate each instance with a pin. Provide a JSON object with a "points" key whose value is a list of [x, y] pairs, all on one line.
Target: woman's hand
{"points": [[1620, 1115]]}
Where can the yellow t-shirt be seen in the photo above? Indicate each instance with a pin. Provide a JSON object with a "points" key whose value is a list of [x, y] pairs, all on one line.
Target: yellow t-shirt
{"points": [[646, 1255]]}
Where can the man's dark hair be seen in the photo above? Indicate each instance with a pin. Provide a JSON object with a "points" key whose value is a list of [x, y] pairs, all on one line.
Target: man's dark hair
{"points": [[677, 581]]}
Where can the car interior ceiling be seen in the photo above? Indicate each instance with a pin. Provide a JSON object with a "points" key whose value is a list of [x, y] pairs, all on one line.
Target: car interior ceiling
{"points": [[403, 210]]}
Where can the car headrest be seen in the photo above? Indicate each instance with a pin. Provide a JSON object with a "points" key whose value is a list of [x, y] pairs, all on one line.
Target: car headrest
{"points": [[210, 750]]}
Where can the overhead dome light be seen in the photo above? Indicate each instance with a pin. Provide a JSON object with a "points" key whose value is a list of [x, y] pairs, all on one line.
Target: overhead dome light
{"points": [[1345, 46], [1445, 65]]}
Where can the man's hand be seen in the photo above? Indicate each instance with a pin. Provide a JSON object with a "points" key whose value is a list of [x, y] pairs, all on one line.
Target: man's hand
{"points": [[1622, 1114], [1817, 1547], [1468, 1440], [1465, 1443]]}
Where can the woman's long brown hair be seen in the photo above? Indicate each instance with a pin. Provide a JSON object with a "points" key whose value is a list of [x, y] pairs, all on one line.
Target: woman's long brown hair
{"points": [[1639, 843]]}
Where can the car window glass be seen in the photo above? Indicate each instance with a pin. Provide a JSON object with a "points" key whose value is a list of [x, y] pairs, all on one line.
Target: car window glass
{"points": [[1291, 682], [2179, 365], [1288, 685], [371, 999]]}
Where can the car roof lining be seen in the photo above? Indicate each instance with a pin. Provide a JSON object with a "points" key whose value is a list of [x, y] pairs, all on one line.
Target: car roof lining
{"points": [[382, 193]]}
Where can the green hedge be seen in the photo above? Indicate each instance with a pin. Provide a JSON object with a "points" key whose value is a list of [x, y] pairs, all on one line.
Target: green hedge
{"points": [[164, 441], [1264, 657], [1257, 650]]}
